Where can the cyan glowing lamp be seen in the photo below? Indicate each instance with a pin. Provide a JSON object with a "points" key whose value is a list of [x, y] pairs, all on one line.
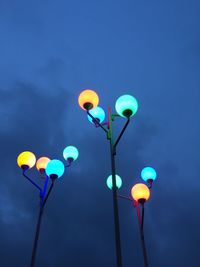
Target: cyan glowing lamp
{"points": [[98, 113], [55, 169], [88, 99], [140, 193], [148, 174], [70, 153], [26, 160], [41, 164], [118, 182], [126, 106]]}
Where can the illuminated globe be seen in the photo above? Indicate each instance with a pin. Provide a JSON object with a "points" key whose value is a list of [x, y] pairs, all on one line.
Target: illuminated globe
{"points": [[148, 174], [98, 113], [70, 152], [42, 163], [140, 192], [118, 182], [26, 160], [88, 99], [55, 168], [126, 106]]}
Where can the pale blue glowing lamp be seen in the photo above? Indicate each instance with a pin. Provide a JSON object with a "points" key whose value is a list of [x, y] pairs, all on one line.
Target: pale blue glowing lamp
{"points": [[148, 174], [70, 153], [126, 106], [55, 169], [98, 113]]}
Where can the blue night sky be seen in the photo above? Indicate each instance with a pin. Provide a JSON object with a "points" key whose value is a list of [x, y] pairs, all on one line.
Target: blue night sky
{"points": [[49, 52]]}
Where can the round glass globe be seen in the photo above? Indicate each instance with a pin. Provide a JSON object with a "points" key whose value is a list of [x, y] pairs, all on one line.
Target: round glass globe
{"points": [[140, 192], [26, 159], [126, 106], [118, 182], [98, 113], [42, 163], [88, 99], [70, 152], [148, 173], [55, 167]]}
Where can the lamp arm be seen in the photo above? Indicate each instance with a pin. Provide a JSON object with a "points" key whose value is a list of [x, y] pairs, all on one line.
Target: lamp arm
{"points": [[120, 135], [97, 122], [48, 193], [125, 197], [31, 181], [43, 193]]}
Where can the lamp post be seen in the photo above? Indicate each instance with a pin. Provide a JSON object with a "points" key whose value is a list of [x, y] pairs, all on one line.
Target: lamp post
{"points": [[126, 106], [140, 193], [48, 170]]}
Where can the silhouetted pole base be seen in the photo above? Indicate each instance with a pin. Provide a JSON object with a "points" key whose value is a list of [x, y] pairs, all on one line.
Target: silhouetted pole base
{"points": [[37, 235]]}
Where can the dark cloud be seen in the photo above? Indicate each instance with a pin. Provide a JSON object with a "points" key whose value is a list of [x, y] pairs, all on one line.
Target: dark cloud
{"points": [[49, 53]]}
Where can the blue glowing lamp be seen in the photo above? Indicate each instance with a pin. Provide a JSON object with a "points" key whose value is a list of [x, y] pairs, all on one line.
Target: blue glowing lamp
{"points": [[98, 113], [55, 169], [118, 181], [126, 106], [148, 174], [70, 153]]}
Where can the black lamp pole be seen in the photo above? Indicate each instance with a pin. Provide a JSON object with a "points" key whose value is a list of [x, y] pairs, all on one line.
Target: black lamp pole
{"points": [[113, 145], [141, 230]]}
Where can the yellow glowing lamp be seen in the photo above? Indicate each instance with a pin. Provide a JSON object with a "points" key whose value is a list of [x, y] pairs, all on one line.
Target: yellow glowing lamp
{"points": [[26, 160], [88, 99], [140, 193], [42, 163]]}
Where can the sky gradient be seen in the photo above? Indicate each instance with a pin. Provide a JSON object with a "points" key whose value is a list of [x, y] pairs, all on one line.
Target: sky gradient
{"points": [[49, 52]]}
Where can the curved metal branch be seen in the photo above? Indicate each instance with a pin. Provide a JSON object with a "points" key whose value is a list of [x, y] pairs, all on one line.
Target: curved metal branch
{"points": [[31, 181], [48, 193], [97, 122], [120, 135]]}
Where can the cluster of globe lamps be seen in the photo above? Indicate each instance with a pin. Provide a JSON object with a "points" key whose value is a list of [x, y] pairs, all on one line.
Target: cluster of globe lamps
{"points": [[52, 168], [47, 168], [126, 106]]}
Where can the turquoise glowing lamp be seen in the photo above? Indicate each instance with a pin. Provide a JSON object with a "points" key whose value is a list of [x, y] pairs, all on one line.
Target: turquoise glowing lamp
{"points": [[70, 153], [55, 169], [98, 113], [126, 106], [148, 174], [118, 182]]}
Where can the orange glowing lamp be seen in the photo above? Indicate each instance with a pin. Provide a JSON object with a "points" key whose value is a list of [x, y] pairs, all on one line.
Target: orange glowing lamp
{"points": [[140, 193], [88, 99], [42, 163]]}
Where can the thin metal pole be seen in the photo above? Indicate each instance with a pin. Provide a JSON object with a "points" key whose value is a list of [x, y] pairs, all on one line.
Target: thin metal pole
{"points": [[37, 234], [140, 222], [115, 200]]}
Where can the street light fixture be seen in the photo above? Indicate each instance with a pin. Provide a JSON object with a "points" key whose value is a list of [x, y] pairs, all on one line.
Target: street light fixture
{"points": [[140, 193], [126, 106], [48, 169]]}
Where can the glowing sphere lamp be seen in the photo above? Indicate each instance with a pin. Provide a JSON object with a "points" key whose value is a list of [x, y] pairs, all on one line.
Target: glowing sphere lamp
{"points": [[41, 164], [70, 153], [26, 160], [55, 169], [140, 193], [118, 182], [98, 113], [126, 106], [88, 99], [148, 174]]}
